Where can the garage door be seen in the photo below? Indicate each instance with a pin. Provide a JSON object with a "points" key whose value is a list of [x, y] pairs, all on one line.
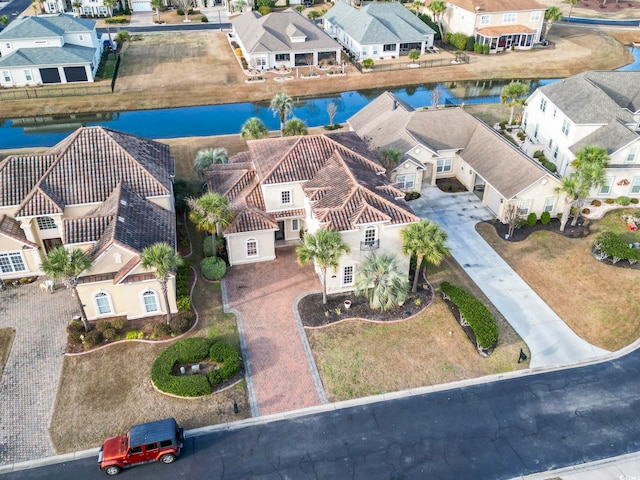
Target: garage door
{"points": [[75, 74], [50, 75], [493, 199], [141, 6]]}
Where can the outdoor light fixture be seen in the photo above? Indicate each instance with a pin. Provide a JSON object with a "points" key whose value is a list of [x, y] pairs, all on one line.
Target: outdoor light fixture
{"points": [[522, 357], [235, 406]]}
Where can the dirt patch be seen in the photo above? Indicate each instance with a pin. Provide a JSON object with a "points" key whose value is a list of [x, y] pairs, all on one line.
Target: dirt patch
{"points": [[450, 185], [6, 340]]}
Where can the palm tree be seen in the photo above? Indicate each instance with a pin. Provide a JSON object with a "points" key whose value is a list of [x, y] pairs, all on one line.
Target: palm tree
{"points": [[426, 241], [551, 15], [380, 280], [156, 5], [325, 249], [390, 158], [512, 95], [163, 258], [110, 4], [294, 127], [572, 3], [210, 212], [77, 6], [590, 167], [571, 186], [4, 20], [210, 156], [436, 8], [67, 266], [254, 129], [281, 104]]}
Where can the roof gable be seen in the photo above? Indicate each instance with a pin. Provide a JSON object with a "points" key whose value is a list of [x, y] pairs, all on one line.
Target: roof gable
{"points": [[19, 174], [45, 26], [10, 228]]}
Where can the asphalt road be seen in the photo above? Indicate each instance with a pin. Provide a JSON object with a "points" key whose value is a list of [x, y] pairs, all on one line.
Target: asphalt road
{"points": [[497, 430], [14, 8]]}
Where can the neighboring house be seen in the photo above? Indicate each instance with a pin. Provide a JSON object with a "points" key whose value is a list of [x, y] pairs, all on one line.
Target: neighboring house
{"points": [[283, 39], [443, 143], [503, 24], [590, 109], [378, 30], [283, 187], [105, 192], [48, 49]]}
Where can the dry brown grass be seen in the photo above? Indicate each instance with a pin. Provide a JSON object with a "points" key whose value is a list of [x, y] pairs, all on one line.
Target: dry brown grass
{"points": [[597, 301], [104, 392], [6, 340], [356, 358]]}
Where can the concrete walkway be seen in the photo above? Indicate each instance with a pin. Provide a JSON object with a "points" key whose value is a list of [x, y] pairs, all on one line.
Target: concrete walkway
{"points": [[550, 340]]}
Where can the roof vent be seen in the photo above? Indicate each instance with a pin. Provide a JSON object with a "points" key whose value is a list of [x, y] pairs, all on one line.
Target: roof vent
{"points": [[123, 202], [120, 219], [380, 173]]}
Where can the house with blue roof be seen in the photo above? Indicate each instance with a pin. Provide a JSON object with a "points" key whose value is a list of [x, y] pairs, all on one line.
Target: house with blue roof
{"points": [[378, 30], [48, 49]]}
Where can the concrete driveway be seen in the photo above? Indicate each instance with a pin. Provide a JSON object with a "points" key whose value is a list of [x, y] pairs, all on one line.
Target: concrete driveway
{"points": [[550, 340], [30, 380]]}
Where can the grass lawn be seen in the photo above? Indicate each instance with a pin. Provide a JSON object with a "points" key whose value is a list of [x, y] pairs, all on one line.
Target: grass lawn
{"points": [[357, 359], [611, 222], [104, 392], [6, 340], [598, 301]]}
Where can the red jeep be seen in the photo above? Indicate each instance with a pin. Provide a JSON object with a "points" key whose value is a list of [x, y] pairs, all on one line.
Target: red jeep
{"points": [[149, 442]]}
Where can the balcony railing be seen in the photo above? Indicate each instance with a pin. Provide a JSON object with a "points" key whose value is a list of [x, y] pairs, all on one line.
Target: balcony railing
{"points": [[370, 245]]}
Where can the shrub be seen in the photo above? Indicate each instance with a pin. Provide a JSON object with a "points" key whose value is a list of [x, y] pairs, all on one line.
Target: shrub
{"points": [[179, 324], [545, 218], [485, 49], [204, 19], [313, 14], [207, 246], [611, 244], [189, 350], [609, 201], [161, 328], [73, 338], [477, 48], [75, 326], [103, 325], [122, 36], [264, 10], [521, 135], [116, 20], [634, 201], [92, 338], [623, 200], [182, 280], [596, 203], [471, 43], [243, 62], [184, 304], [119, 323], [538, 154], [213, 268], [447, 37], [586, 211], [503, 124], [132, 335], [238, 52], [475, 313], [367, 63], [411, 196], [549, 166], [110, 334], [532, 218], [227, 355], [180, 11]]}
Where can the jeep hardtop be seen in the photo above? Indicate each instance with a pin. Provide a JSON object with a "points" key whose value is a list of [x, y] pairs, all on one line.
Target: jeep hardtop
{"points": [[161, 440]]}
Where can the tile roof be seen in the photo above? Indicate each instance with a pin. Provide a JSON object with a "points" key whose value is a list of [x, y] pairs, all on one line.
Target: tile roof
{"points": [[484, 6], [505, 30], [84, 229], [274, 32], [613, 136], [19, 174], [43, 26], [48, 56], [10, 227], [378, 22]]}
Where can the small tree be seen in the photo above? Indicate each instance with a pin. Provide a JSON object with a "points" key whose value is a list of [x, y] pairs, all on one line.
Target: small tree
{"points": [[513, 95], [164, 260], [210, 212], [331, 111], [551, 15], [253, 129], [110, 4], [511, 217], [367, 63], [282, 105], [156, 5], [380, 280], [294, 127], [122, 36], [572, 4], [436, 93], [414, 54], [426, 241], [390, 158], [437, 7], [210, 156], [185, 5]]}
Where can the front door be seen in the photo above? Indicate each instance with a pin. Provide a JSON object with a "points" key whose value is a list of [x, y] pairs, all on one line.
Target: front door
{"points": [[51, 243], [280, 232]]}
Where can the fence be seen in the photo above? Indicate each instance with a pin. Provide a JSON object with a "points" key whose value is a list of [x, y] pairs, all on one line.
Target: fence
{"points": [[438, 62]]}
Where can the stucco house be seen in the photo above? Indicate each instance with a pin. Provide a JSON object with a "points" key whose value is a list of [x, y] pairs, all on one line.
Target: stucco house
{"points": [[283, 39], [48, 49], [502, 24], [105, 192], [377, 30], [590, 109], [443, 143], [283, 187]]}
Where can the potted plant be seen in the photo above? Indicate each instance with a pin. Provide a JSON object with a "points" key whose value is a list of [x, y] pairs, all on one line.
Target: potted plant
{"points": [[347, 304]]}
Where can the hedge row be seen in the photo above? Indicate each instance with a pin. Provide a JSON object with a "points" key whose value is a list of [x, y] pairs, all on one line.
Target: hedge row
{"points": [[475, 313], [228, 356], [611, 244]]}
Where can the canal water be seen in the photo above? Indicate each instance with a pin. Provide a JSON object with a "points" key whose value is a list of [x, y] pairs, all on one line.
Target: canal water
{"points": [[228, 119]]}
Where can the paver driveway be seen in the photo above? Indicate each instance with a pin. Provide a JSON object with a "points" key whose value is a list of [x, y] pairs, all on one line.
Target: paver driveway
{"points": [[30, 380], [283, 376]]}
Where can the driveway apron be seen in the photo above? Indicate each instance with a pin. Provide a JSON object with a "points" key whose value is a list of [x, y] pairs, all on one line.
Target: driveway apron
{"points": [[30, 380], [282, 373], [550, 340]]}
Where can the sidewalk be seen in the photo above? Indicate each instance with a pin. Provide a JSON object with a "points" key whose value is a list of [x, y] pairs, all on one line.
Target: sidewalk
{"points": [[549, 339]]}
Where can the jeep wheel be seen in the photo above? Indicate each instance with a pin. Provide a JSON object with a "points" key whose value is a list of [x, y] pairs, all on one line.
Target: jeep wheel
{"points": [[112, 470], [168, 458]]}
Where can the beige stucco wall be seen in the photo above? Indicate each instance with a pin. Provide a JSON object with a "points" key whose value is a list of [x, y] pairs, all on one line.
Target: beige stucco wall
{"points": [[237, 247], [272, 196], [408, 168], [458, 20], [30, 258], [108, 261]]}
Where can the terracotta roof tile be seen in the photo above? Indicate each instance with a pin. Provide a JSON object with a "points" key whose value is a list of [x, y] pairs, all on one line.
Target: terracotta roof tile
{"points": [[19, 174], [126, 269], [84, 229], [297, 213], [11, 228], [41, 201]]}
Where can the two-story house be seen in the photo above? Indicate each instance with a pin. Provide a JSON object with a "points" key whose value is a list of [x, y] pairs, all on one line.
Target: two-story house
{"points": [[502, 24], [378, 30], [105, 192], [48, 49], [283, 187], [590, 109], [443, 143]]}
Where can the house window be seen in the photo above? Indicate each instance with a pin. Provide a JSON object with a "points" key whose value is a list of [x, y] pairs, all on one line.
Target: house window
{"points": [[87, 10], [295, 226], [252, 247], [635, 186], [261, 62], [535, 131], [605, 189], [365, 51], [8, 45], [6, 75], [525, 205], [550, 144], [375, 50], [46, 223], [12, 262], [103, 303], [282, 57], [389, 47], [285, 197], [631, 157], [555, 153], [565, 128], [543, 104], [509, 17], [555, 110], [27, 75], [485, 19], [370, 236], [81, 37], [102, 10], [549, 203], [535, 16], [347, 275], [444, 165], [150, 301], [406, 181]]}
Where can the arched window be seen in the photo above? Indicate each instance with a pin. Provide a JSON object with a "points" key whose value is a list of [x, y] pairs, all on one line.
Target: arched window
{"points": [[252, 247], [103, 303], [150, 301]]}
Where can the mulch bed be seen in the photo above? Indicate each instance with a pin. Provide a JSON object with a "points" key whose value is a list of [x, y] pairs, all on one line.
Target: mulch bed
{"points": [[312, 311], [522, 233], [450, 185]]}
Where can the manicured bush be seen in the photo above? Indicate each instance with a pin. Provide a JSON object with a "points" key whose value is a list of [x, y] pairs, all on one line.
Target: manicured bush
{"points": [[92, 338], [207, 246], [161, 328], [596, 203], [110, 334], [313, 14], [73, 338], [475, 313], [634, 201], [586, 211], [213, 268], [132, 335], [477, 48], [485, 49], [545, 218], [549, 166], [184, 304], [532, 218], [229, 356], [119, 323], [411, 196], [204, 19], [609, 201], [116, 20], [367, 63], [611, 244], [623, 200], [538, 154], [180, 324], [264, 10], [238, 52], [75, 326], [103, 325], [458, 40], [471, 43]]}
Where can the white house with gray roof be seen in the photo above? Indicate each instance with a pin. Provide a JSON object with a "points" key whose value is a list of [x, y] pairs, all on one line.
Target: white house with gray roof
{"points": [[48, 49], [378, 30], [444, 143], [590, 109], [283, 39]]}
